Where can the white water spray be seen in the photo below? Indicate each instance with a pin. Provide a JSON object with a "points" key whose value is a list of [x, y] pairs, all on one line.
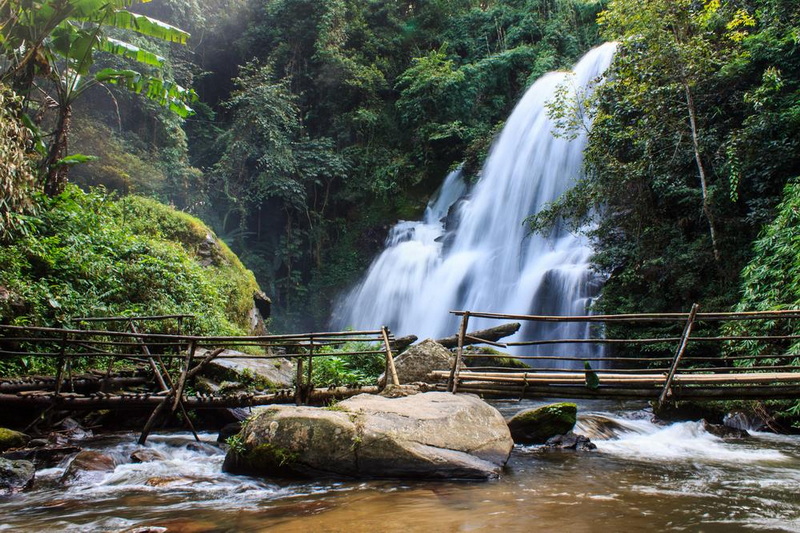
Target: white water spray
{"points": [[485, 260]]}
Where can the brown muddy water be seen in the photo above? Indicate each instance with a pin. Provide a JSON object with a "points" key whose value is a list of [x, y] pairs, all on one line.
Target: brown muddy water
{"points": [[642, 477]]}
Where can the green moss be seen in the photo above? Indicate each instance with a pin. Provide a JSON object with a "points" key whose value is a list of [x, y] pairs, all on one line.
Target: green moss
{"points": [[12, 439], [268, 457], [535, 426]]}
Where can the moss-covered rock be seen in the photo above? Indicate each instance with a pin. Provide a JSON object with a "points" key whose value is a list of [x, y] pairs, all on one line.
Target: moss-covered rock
{"points": [[12, 439], [429, 435], [15, 475], [536, 426]]}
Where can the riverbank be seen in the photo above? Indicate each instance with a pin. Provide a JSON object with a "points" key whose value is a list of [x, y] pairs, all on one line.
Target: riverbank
{"points": [[641, 477]]}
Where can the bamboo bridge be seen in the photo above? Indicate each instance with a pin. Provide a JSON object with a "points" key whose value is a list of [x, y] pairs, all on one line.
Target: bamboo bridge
{"points": [[721, 367], [617, 361]]}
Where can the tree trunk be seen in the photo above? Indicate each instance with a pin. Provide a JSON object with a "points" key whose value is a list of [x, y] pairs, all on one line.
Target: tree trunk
{"points": [[57, 175], [701, 171]]}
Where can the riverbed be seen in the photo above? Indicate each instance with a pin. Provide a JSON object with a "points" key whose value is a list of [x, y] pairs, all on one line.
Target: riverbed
{"points": [[642, 477]]}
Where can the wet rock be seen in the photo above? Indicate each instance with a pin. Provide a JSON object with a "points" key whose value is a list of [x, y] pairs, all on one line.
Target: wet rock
{"points": [[12, 439], [16, 475], [535, 426], [600, 427], [416, 363], [740, 420], [146, 455], [571, 441], [229, 430], [203, 447], [399, 391], [46, 457], [38, 443], [724, 432], [169, 481], [69, 430], [429, 435], [87, 462]]}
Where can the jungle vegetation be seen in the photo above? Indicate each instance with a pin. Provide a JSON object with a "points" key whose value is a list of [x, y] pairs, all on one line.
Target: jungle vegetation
{"points": [[299, 130]]}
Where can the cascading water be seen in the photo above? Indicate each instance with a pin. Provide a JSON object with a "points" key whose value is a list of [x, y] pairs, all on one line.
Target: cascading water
{"points": [[485, 260]]}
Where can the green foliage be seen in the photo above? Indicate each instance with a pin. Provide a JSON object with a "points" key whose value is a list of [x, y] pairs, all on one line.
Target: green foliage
{"points": [[352, 114], [55, 41], [90, 254], [771, 281], [16, 170], [361, 369], [687, 155], [236, 444]]}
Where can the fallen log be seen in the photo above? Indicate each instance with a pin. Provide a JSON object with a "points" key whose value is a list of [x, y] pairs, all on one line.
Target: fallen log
{"points": [[477, 337], [120, 401], [81, 384], [399, 345]]}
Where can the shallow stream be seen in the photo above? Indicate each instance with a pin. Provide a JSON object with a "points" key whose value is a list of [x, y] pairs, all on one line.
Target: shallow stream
{"points": [[642, 477]]}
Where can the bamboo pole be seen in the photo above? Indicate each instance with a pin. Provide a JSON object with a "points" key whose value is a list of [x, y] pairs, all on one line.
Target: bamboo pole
{"points": [[640, 317], [687, 331], [391, 370], [453, 380], [298, 394]]}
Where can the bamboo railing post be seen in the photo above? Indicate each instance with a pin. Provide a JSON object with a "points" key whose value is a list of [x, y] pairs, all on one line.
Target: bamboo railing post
{"points": [[182, 386], [310, 361], [61, 362], [687, 331], [452, 382], [391, 370], [174, 394], [298, 387]]}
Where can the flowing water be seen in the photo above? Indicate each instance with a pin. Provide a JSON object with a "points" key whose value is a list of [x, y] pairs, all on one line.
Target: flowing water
{"points": [[642, 477], [483, 258]]}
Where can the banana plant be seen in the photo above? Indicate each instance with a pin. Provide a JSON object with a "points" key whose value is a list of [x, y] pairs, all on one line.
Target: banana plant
{"points": [[57, 40]]}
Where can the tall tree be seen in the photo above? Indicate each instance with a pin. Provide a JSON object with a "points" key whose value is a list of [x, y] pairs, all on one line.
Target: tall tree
{"points": [[56, 40]]}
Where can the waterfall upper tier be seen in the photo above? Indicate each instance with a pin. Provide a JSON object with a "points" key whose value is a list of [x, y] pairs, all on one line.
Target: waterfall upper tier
{"points": [[485, 259]]}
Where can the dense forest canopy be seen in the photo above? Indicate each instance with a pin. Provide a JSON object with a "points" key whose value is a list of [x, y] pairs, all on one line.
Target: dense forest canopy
{"points": [[318, 123]]}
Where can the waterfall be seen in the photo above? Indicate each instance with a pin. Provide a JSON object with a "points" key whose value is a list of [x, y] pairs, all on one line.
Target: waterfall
{"points": [[472, 252]]}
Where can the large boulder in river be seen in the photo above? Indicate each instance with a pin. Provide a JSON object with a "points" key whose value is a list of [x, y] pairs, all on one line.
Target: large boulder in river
{"points": [[429, 435], [536, 426]]}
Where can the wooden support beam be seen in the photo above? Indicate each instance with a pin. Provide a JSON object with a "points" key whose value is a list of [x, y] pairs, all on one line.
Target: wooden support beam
{"points": [[687, 331], [391, 370], [452, 382]]}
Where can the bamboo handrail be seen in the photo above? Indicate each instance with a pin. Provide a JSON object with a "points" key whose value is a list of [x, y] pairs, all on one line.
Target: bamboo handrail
{"points": [[641, 317]]}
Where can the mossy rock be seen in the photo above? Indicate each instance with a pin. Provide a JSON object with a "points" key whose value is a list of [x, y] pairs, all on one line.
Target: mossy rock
{"points": [[536, 426], [12, 439], [15, 475]]}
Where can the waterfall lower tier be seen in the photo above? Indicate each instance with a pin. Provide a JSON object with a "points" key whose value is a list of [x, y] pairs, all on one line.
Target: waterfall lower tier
{"points": [[471, 250]]}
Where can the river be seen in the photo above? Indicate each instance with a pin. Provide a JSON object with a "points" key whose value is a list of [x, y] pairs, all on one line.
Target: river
{"points": [[642, 477]]}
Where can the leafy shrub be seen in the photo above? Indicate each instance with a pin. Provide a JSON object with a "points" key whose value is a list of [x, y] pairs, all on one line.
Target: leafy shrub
{"points": [[361, 369], [89, 254]]}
